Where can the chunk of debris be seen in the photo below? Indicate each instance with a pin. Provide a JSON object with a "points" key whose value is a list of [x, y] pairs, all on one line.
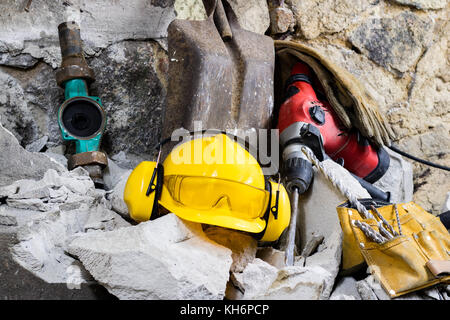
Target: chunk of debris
{"points": [[165, 258]]}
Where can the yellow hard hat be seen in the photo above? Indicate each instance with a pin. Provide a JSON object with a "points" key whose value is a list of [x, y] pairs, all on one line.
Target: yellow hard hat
{"points": [[211, 180]]}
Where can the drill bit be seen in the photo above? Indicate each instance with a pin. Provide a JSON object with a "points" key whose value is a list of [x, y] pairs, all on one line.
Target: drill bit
{"points": [[290, 249]]}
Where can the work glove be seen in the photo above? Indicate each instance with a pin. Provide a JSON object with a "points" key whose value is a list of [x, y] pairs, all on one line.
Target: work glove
{"points": [[348, 97]]}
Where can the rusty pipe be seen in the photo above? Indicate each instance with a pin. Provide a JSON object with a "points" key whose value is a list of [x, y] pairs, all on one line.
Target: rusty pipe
{"points": [[73, 64]]}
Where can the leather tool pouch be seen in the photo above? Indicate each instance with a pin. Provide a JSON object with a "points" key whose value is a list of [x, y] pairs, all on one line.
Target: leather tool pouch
{"points": [[418, 258]]}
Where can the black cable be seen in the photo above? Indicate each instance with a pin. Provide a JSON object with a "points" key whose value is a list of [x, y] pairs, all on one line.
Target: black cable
{"points": [[429, 163]]}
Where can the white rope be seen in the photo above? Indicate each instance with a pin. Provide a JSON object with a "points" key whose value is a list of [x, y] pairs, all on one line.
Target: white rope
{"points": [[380, 237]]}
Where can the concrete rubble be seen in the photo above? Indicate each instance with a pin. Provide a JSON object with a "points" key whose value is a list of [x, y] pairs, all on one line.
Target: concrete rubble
{"points": [[162, 259], [318, 212], [62, 238]]}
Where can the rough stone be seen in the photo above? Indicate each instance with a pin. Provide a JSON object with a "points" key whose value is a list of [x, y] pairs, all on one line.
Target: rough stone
{"points": [[116, 196], [51, 191], [17, 163], [446, 205], [36, 33], [281, 20], [261, 281], [243, 246], [326, 16], [395, 43], [17, 283], [317, 206], [46, 213], [272, 256], [130, 79], [388, 91], [101, 218], [22, 61], [190, 9], [365, 291], [345, 287], [16, 115], [255, 279], [112, 174], [37, 145], [252, 15], [398, 180], [61, 159], [309, 279], [328, 257], [165, 258], [424, 4], [422, 124]]}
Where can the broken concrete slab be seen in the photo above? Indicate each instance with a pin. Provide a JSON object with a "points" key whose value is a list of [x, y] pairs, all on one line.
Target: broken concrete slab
{"points": [[37, 145], [101, 218], [116, 196], [345, 287], [17, 163], [309, 279], [255, 279], [262, 281], [52, 190], [242, 245], [272, 256], [329, 258], [17, 283], [317, 206], [112, 174], [166, 258], [47, 212]]}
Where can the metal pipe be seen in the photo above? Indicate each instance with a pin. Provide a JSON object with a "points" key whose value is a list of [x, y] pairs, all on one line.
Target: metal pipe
{"points": [[73, 64]]}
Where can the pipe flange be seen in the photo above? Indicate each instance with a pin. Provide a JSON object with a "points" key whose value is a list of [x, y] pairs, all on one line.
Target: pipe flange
{"points": [[88, 158], [74, 71]]}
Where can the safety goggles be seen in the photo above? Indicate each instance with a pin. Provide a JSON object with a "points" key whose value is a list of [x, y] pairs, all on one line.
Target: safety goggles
{"points": [[216, 196]]}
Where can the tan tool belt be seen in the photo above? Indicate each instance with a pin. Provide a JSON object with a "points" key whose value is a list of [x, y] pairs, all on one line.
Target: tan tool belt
{"points": [[417, 258]]}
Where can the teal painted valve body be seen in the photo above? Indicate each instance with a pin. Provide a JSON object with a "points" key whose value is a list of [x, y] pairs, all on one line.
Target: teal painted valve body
{"points": [[81, 117]]}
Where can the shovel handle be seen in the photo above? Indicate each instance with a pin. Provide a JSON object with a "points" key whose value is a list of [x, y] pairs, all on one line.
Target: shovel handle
{"points": [[221, 21]]}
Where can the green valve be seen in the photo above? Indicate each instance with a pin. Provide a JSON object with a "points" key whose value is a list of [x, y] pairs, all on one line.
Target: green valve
{"points": [[81, 117]]}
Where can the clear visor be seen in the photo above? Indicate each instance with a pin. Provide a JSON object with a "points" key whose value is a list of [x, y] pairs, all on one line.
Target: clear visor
{"points": [[215, 194]]}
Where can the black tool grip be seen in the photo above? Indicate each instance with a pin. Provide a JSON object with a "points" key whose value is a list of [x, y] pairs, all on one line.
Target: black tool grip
{"points": [[298, 173]]}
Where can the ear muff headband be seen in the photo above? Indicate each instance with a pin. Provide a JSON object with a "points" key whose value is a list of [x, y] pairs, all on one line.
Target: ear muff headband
{"points": [[158, 172]]}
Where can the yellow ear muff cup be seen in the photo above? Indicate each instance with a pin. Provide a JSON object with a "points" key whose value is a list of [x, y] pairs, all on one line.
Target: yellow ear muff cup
{"points": [[277, 222], [141, 206]]}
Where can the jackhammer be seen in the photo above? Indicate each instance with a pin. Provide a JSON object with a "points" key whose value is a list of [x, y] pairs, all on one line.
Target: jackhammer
{"points": [[306, 121], [81, 117]]}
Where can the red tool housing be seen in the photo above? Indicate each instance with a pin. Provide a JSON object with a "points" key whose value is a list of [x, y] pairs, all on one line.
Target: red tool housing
{"points": [[340, 144]]}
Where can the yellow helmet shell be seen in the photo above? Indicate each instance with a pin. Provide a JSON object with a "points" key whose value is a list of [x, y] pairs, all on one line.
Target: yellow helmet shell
{"points": [[216, 156]]}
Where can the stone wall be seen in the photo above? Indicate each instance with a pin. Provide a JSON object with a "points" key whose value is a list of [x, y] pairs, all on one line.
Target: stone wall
{"points": [[398, 48]]}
